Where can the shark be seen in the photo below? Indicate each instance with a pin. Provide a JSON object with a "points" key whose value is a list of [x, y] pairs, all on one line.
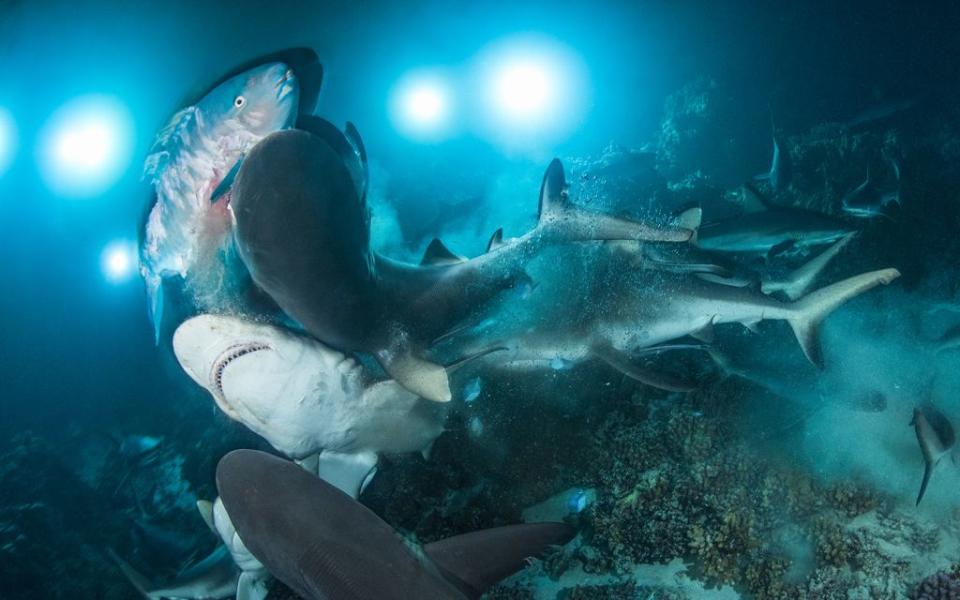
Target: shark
{"points": [[212, 578], [936, 437], [765, 227], [309, 401], [302, 229], [323, 544], [868, 200], [635, 312]]}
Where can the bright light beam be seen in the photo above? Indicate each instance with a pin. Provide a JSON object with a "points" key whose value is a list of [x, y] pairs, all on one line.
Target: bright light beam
{"points": [[118, 261], [8, 140], [86, 146], [534, 89], [421, 107]]}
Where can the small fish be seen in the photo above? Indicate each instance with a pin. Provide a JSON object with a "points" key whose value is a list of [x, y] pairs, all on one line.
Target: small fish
{"points": [[190, 166], [475, 427], [472, 390], [936, 437]]}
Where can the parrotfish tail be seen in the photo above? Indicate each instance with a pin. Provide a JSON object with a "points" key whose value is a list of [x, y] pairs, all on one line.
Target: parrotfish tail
{"points": [[155, 304], [812, 309]]}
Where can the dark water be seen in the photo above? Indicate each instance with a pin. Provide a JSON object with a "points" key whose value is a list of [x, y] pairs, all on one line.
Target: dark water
{"points": [[770, 479]]}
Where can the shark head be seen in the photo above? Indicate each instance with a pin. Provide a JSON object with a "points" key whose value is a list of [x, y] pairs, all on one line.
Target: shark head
{"points": [[278, 383]]}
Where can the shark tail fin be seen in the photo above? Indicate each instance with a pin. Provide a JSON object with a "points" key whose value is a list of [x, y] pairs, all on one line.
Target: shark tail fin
{"points": [[474, 562], [138, 580], [560, 220], [812, 309]]}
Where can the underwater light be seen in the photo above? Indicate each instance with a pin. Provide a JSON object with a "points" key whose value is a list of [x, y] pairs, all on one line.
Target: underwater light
{"points": [[8, 140], [524, 89], [119, 261], [534, 90], [421, 106], [86, 146]]}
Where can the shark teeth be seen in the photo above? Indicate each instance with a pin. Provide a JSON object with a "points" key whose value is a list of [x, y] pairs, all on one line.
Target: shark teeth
{"points": [[226, 357]]}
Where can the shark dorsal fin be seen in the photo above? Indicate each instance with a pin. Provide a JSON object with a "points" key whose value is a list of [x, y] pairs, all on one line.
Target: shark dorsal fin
{"points": [[474, 562], [553, 191], [752, 200], [438, 254], [496, 240]]}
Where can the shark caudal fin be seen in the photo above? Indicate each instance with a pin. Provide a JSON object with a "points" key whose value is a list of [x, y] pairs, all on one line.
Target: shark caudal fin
{"points": [[474, 562], [136, 578], [812, 309], [560, 220], [799, 281]]}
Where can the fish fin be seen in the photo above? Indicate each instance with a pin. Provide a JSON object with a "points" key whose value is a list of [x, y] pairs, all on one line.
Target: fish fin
{"points": [[353, 136], [809, 311], [621, 363], [226, 183], [427, 450], [347, 472], [799, 281], [722, 280], [136, 578], [251, 586], [780, 248], [927, 471], [561, 221], [205, 507], [704, 334], [496, 240], [752, 200], [422, 377], [473, 562], [691, 219], [753, 326], [453, 366], [155, 305], [438, 254], [309, 463]]}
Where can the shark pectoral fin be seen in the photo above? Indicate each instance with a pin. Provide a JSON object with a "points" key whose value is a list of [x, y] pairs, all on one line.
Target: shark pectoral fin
{"points": [[205, 507], [348, 472], [136, 578], [927, 471], [780, 248], [661, 381], [476, 561], [561, 221], [808, 312], [251, 586], [309, 463], [422, 377], [752, 326]]}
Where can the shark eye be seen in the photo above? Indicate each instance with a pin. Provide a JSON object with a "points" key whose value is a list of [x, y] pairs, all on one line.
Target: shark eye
{"points": [[239, 102]]}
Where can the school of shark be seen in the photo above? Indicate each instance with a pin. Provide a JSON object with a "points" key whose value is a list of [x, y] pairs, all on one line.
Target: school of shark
{"points": [[262, 276]]}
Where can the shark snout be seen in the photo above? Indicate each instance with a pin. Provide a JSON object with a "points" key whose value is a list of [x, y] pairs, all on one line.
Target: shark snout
{"points": [[199, 342]]}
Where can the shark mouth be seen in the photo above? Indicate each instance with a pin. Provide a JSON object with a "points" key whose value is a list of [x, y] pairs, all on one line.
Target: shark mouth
{"points": [[226, 357]]}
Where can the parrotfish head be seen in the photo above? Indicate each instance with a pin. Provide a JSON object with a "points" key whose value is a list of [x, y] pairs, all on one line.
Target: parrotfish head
{"points": [[273, 380], [247, 107]]}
